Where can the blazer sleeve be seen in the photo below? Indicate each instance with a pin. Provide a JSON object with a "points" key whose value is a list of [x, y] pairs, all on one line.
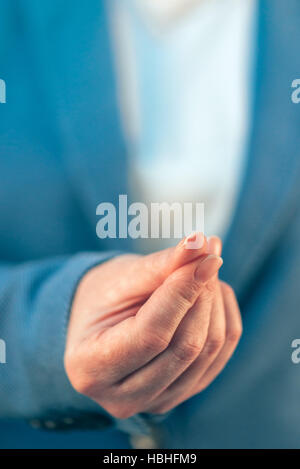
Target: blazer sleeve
{"points": [[35, 301]]}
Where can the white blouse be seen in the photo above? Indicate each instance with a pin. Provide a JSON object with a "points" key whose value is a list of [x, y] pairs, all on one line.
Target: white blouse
{"points": [[184, 79]]}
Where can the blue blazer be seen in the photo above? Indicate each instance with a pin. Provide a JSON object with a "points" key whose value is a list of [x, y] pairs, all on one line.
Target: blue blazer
{"points": [[61, 153]]}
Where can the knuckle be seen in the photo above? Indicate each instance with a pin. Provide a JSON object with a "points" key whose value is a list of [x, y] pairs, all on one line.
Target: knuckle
{"points": [[211, 285], [186, 351], [184, 293], [215, 343], [82, 383], [234, 335], [84, 378], [154, 343], [206, 293]]}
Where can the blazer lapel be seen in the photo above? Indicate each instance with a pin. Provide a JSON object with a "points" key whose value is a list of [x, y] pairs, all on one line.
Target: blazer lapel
{"points": [[77, 63], [90, 120], [270, 190]]}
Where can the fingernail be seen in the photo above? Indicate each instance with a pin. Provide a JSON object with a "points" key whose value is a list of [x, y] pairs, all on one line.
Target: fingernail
{"points": [[208, 268], [194, 241]]}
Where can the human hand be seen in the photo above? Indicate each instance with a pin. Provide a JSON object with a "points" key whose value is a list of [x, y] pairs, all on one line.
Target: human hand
{"points": [[148, 332]]}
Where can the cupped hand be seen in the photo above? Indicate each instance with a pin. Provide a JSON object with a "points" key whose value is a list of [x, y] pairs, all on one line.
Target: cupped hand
{"points": [[148, 332]]}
